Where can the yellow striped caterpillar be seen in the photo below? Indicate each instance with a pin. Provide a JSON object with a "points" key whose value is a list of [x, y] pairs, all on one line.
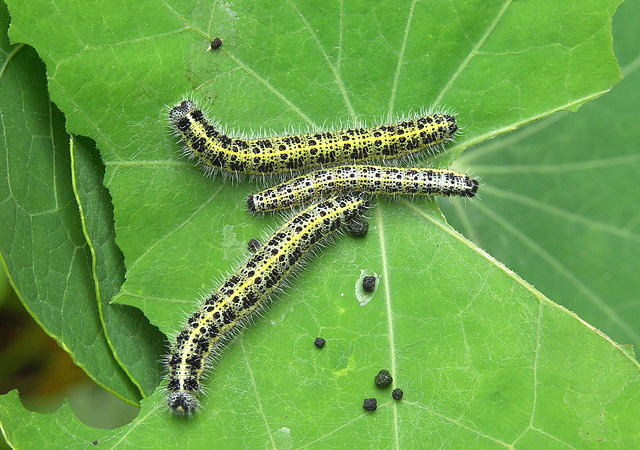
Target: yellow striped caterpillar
{"points": [[273, 155], [246, 291], [361, 179]]}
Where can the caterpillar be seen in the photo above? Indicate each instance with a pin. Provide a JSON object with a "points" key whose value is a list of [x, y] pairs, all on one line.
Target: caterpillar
{"points": [[274, 155], [361, 179], [247, 290]]}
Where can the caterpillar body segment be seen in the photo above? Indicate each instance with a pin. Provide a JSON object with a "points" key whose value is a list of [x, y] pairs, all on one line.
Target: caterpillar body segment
{"points": [[355, 179], [274, 155]]}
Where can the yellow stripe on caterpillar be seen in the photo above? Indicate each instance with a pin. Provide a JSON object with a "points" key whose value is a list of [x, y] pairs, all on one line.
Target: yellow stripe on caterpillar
{"points": [[247, 290], [262, 156], [355, 179]]}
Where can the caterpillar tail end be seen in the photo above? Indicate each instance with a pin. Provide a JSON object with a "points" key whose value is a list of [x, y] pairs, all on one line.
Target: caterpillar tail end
{"points": [[473, 187], [452, 127], [251, 205], [183, 403]]}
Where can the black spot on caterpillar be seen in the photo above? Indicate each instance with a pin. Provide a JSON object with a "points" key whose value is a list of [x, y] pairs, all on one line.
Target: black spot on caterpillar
{"points": [[215, 150], [246, 291], [362, 179]]}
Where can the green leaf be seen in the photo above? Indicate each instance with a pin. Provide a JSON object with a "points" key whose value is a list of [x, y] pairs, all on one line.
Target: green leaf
{"points": [[121, 323], [483, 358], [559, 200], [42, 245]]}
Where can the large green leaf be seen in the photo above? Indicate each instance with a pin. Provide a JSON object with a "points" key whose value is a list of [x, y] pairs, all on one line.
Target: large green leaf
{"points": [[135, 343], [42, 245], [483, 358], [559, 200]]}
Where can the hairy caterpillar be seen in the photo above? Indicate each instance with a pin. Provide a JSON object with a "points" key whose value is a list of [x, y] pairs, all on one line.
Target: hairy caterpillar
{"points": [[361, 179], [246, 291], [275, 155]]}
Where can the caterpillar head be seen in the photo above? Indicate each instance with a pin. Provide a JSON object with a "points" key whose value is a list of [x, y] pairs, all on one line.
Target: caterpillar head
{"points": [[181, 111], [182, 402]]}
